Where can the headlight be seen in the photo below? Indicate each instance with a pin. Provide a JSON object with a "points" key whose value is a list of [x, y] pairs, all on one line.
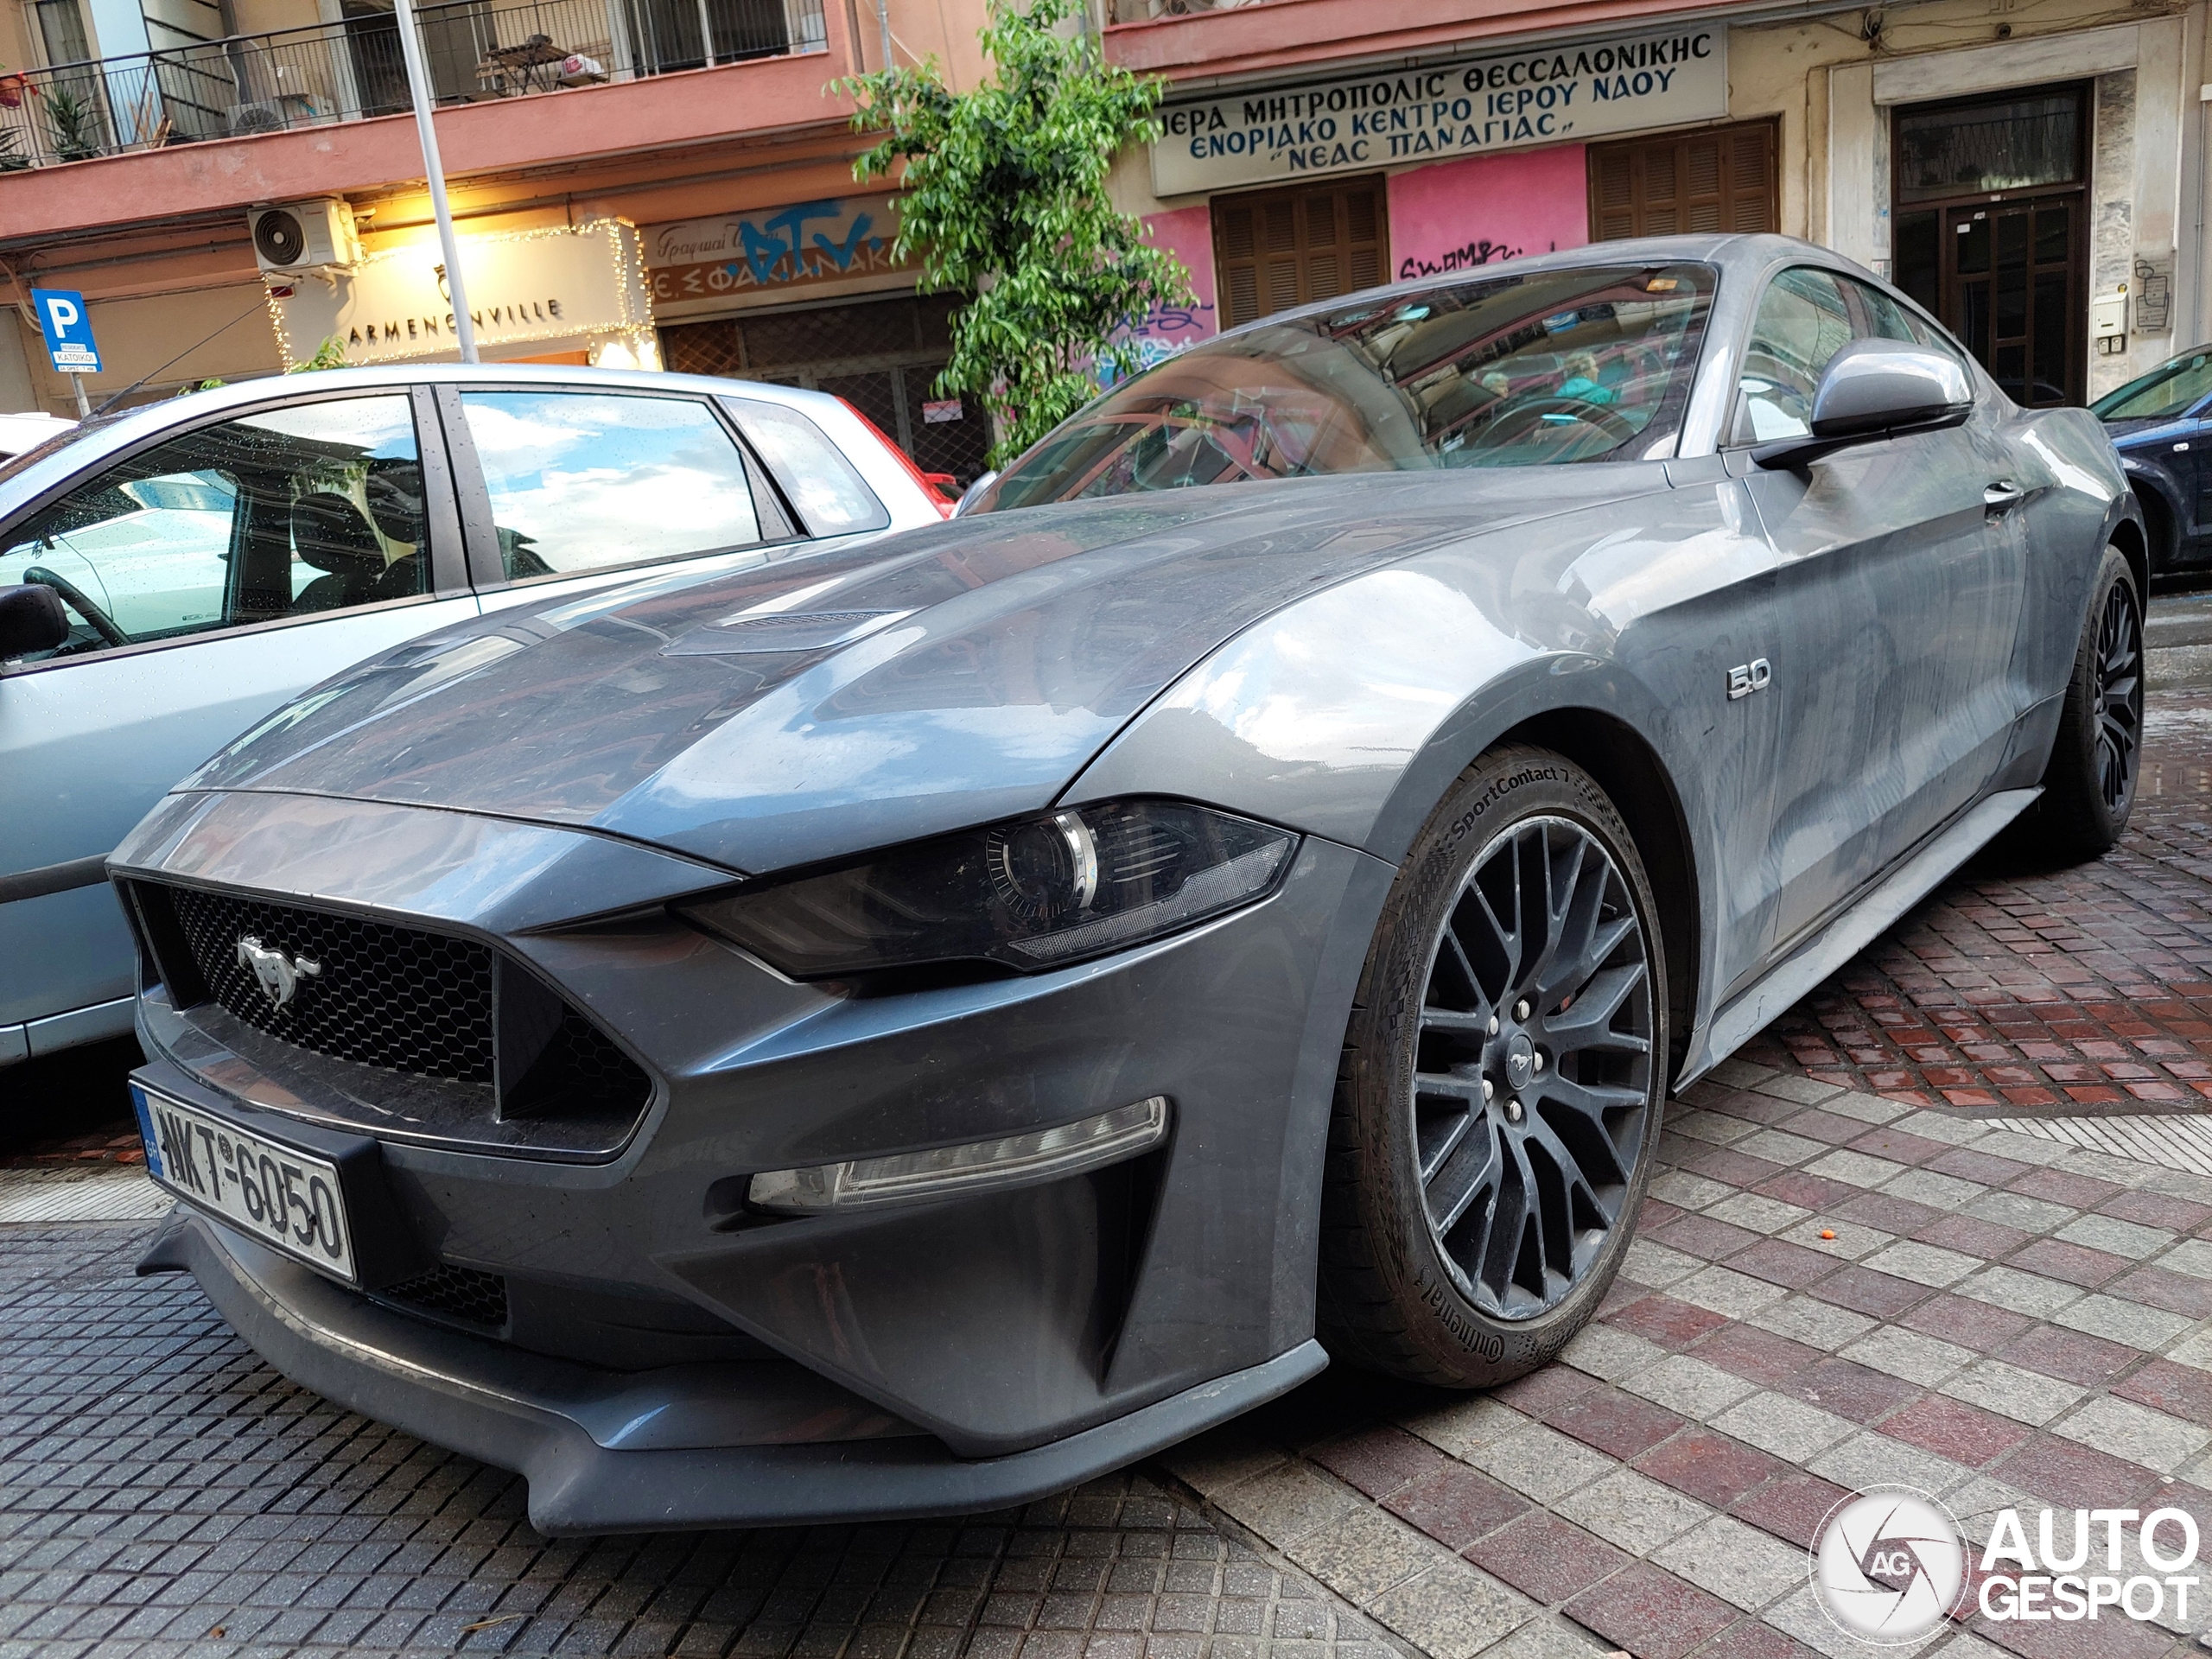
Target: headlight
{"points": [[1034, 893]]}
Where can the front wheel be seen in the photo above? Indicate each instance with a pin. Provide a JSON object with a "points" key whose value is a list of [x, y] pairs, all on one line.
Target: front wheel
{"points": [[2089, 783], [1503, 1074]]}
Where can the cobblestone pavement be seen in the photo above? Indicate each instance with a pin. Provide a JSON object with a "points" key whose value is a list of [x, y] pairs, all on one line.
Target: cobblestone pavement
{"points": [[2030, 990], [1828, 1291], [164, 1492]]}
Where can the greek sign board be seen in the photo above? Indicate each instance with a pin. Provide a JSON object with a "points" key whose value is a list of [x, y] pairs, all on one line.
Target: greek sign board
{"points": [[773, 251], [563, 283], [1465, 106], [68, 326]]}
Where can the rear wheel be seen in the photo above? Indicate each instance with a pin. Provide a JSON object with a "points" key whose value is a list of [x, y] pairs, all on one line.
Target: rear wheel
{"points": [[1501, 1082], [2089, 784]]}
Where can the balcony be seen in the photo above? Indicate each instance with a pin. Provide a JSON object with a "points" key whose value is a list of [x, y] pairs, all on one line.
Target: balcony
{"points": [[320, 75], [1202, 39]]}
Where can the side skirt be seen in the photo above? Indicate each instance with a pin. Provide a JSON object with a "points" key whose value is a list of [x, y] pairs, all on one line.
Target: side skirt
{"points": [[1748, 1013]]}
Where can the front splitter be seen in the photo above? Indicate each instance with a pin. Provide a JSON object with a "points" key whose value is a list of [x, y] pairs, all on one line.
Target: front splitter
{"points": [[538, 1417]]}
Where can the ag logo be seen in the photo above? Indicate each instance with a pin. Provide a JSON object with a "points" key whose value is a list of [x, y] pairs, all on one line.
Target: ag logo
{"points": [[1888, 1564]]}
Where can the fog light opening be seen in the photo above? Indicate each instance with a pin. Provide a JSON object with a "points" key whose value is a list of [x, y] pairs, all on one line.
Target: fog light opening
{"points": [[975, 1166]]}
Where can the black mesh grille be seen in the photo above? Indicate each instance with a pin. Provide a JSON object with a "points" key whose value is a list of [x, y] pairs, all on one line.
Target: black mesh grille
{"points": [[382, 995], [458, 1293]]}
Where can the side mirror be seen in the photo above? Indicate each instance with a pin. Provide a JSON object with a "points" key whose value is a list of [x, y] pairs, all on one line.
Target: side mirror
{"points": [[1871, 388], [32, 618], [974, 493]]}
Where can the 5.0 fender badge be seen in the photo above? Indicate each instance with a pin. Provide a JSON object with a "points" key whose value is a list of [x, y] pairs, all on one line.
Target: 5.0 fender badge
{"points": [[1747, 678], [279, 975]]}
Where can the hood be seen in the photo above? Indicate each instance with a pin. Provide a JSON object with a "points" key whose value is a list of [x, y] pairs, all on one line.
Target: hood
{"points": [[815, 705]]}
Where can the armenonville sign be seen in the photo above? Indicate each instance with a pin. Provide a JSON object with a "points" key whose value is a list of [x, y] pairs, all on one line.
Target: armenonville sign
{"points": [[561, 283], [1464, 106]]}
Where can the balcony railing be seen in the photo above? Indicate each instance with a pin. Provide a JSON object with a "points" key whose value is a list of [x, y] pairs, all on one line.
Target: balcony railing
{"points": [[1143, 11], [348, 71]]}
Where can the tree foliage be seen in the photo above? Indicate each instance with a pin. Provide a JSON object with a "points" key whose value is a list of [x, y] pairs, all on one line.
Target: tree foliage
{"points": [[1006, 205]]}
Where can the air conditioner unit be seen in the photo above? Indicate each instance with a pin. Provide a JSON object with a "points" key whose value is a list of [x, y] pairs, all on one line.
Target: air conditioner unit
{"points": [[303, 236]]}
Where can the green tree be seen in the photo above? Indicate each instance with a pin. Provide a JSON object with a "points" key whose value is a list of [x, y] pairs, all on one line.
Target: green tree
{"points": [[1005, 201]]}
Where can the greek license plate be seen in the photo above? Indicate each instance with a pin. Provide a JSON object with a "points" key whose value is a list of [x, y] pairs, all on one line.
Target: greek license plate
{"points": [[289, 1199]]}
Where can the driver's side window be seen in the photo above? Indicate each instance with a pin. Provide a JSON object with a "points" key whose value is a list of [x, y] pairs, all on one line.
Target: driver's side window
{"points": [[1807, 317], [291, 512]]}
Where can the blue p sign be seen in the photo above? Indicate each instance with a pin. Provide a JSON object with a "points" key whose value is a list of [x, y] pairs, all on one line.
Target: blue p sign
{"points": [[65, 321]]}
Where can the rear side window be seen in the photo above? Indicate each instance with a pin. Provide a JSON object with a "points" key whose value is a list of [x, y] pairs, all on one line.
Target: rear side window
{"points": [[830, 495], [583, 482]]}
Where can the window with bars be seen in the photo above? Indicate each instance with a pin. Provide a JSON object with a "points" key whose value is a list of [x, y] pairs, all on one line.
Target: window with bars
{"points": [[880, 355], [1281, 248], [1722, 179]]}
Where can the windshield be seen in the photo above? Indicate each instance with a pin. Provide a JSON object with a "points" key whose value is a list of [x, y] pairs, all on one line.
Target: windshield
{"points": [[2168, 389], [1591, 363]]}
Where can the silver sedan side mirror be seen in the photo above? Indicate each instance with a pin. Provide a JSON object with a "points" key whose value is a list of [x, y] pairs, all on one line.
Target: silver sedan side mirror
{"points": [[1871, 388]]}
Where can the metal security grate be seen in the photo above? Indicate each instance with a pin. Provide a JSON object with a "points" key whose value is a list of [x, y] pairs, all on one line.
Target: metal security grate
{"points": [[461, 1295], [383, 995]]}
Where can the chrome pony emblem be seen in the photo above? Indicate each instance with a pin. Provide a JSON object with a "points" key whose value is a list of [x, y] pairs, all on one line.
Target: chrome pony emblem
{"points": [[279, 975]]}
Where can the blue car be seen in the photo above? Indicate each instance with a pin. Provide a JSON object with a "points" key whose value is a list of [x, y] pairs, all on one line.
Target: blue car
{"points": [[170, 575], [2161, 424]]}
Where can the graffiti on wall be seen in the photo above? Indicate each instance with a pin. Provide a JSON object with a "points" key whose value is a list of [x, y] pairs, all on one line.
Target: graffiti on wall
{"points": [[1463, 215], [794, 247]]}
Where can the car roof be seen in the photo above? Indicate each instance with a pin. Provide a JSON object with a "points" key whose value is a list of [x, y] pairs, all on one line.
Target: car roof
{"points": [[125, 428]]}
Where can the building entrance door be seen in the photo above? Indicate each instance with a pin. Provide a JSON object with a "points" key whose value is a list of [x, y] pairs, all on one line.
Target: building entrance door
{"points": [[1992, 233]]}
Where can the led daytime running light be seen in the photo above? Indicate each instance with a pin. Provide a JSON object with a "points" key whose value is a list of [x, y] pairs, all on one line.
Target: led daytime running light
{"points": [[976, 1166]]}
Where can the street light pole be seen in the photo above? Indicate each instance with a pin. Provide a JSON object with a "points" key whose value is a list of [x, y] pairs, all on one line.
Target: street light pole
{"points": [[418, 90]]}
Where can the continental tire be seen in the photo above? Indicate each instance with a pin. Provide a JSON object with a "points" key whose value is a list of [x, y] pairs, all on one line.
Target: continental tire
{"points": [[1501, 1082]]}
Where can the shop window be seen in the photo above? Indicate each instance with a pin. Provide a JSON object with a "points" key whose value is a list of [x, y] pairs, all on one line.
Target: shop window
{"points": [[1722, 181], [1281, 248], [880, 355]]}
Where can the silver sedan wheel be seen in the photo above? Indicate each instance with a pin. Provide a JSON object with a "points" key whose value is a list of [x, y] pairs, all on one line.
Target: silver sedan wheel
{"points": [[1534, 1072]]}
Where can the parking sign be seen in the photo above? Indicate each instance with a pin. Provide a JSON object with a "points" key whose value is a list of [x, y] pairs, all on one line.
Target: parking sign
{"points": [[66, 322]]}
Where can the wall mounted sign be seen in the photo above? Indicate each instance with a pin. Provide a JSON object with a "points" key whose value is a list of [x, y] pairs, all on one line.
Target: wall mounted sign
{"points": [[776, 250], [1470, 106], [581, 282]]}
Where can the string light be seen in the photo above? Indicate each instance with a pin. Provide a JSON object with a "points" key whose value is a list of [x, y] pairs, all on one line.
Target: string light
{"points": [[633, 302]]}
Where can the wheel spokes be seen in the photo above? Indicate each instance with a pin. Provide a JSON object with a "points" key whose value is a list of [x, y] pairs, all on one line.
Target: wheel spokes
{"points": [[1536, 1065]]}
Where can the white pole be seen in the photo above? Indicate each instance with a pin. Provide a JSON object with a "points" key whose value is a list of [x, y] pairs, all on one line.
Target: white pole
{"points": [[418, 89]]}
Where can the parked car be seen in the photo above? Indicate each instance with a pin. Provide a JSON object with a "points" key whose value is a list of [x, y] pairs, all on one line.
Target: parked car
{"points": [[21, 432], [217, 555], [903, 1030], [2161, 424]]}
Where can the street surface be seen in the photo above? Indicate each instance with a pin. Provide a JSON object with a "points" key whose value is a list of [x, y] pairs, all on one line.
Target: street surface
{"points": [[2015, 1307]]}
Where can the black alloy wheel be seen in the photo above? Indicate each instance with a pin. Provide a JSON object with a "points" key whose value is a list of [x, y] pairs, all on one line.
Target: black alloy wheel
{"points": [[2118, 693], [1499, 1099], [1534, 1067], [2096, 758]]}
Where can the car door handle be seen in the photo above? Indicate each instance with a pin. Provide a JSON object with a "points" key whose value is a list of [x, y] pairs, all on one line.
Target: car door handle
{"points": [[2002, 497]]}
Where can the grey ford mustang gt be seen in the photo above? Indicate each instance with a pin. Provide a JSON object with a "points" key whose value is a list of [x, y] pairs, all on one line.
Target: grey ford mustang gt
{"points": [[902, 1030]]}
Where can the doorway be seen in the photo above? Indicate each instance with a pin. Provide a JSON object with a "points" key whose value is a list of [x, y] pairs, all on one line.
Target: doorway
{"points": [[1991, 233]]}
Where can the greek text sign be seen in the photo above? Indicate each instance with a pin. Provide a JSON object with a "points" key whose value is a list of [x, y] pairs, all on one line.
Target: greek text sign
{"points": [[1468, 106], [772, 250], [529, 285]]}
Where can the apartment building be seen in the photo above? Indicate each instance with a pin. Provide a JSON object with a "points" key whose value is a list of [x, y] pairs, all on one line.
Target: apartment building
{"points": [[634, 182], [2031, 170], [669, 181]]}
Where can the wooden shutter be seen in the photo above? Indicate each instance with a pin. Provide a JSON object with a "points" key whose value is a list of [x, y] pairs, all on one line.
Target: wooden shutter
{"points": [[1721, 180], [1281, 248]]}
